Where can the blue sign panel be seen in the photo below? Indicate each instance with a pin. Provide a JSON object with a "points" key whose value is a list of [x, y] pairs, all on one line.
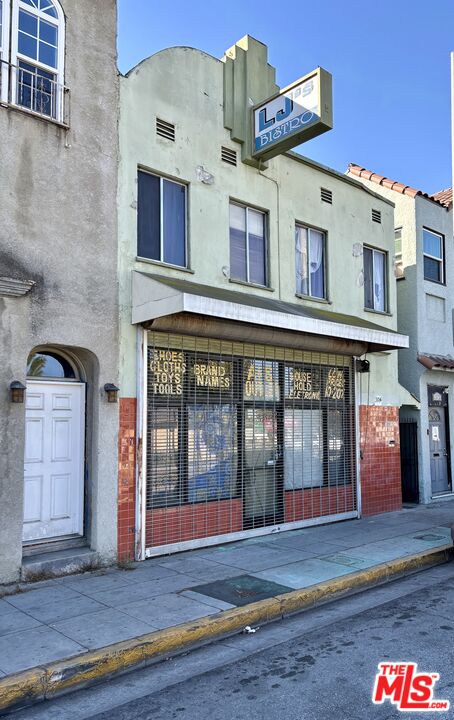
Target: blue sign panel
{"points": [[298, 113], [278, 132]]}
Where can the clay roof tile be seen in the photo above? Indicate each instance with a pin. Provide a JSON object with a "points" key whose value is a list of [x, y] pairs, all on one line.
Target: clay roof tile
{"points": [[443, 198]]}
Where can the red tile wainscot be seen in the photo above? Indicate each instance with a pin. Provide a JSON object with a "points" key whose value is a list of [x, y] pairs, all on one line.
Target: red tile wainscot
{"points": [[127, 479], [315, 502], [197, 520], [381, 489]]}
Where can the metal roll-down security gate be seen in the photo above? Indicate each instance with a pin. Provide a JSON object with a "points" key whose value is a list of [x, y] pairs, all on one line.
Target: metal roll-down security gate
{"points": [[242, 439]]}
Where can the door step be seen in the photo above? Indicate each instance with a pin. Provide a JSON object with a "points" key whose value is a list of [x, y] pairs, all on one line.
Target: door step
{"points": [[60, 562], [51, 546]]}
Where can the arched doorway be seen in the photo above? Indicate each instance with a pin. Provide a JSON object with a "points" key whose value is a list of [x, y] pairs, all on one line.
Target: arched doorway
{"points": [[54, 447]]}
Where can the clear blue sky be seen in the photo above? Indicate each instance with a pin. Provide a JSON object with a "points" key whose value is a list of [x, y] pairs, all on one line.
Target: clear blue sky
{"points": [[390, 61]]}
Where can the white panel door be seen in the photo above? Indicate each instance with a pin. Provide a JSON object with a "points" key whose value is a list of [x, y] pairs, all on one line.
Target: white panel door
{"points": [[54, 460]]}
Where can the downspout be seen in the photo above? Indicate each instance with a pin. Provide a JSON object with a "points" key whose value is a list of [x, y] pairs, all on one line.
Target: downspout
{"points": [[278, 224]]}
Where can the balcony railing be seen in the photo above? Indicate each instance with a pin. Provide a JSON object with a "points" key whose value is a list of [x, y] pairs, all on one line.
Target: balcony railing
{"points": [[34, 90]]}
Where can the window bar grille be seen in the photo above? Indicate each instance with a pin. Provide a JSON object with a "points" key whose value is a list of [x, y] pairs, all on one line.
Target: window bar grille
{"points": [[34, 93]]}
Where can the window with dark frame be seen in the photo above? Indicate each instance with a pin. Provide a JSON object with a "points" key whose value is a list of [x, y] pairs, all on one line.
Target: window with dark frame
{"points": [[248, 244], [375, 269], [433, 249], [310, 261], [161, 219]]}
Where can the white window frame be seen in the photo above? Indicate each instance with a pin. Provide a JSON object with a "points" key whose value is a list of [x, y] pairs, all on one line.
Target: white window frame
{"points": [[17, 57], [4, 51], [375, 251], [440, 260], [309, 230], [161, 220], [248, 208], [398, 255]]}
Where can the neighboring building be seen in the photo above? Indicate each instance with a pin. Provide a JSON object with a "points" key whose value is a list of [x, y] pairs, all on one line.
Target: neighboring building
{"points": [[247, 291], [424, 258], [58, 294], [452, 119]]}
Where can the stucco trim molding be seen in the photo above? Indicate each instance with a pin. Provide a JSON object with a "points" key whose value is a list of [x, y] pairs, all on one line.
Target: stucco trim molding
{"points": [[12, 287]]}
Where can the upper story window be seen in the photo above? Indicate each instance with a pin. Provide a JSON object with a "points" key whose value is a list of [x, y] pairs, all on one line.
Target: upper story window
{"points": [[247, 244], [161, 219], [310, 262], [398, 252], [433, 248], [374, 279], [32, 69]]}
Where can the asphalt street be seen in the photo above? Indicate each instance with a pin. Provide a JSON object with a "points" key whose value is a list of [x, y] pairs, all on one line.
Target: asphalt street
{"points": [[317, 665]]}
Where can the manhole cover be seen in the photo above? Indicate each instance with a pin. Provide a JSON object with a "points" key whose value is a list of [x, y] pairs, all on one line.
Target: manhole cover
{"points": [[241, 590], [343, 560], [429, 536]]}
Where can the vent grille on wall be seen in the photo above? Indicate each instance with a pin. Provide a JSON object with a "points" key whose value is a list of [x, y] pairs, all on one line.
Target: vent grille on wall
{"points": [[376, 216], [228, 155], [165, 129], [326, 195]]}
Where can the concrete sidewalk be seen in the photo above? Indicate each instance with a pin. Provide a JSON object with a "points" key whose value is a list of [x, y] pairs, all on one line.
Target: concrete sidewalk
{"points": [[73, 616]]}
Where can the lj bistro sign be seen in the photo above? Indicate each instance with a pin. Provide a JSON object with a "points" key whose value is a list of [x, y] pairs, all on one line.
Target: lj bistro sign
{"points": [[298, 113]]}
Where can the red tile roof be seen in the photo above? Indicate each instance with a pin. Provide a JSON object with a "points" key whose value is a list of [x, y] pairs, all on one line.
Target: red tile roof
{"points": [[443, 198], [436, 361]]}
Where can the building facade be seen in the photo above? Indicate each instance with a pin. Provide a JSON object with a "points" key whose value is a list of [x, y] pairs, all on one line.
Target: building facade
{"points": [[425, 307], [258, 326], [58, 298]]}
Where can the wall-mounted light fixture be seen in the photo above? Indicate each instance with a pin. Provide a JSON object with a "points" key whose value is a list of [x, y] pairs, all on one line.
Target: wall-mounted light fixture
{"points": [[111, 392], [17, 391], [362, 366]]}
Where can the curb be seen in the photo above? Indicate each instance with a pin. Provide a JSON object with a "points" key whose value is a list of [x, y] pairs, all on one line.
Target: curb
{"points": [[52, 679]]}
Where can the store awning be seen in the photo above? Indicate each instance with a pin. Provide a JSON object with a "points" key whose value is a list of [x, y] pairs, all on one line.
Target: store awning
{"points": [[436, 362], [155, 296]]}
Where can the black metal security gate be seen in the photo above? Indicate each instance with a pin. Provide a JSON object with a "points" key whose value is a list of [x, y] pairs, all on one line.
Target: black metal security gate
{"points": [[243, 436], [409, 461]]}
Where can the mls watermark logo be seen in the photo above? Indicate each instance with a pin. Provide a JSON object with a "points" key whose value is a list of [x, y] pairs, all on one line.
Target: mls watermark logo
{"points": [[408, 689]]}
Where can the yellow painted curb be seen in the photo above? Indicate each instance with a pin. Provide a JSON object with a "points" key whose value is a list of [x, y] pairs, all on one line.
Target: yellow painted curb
{"points": [[23, 688], [55, 678]]}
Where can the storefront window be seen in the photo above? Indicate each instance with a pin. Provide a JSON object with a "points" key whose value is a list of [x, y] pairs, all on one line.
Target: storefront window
{"points": [[304, 446], [302, 383], [212, 452], [338, 468], [231, 427], [164, 487], [261, 380]]}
